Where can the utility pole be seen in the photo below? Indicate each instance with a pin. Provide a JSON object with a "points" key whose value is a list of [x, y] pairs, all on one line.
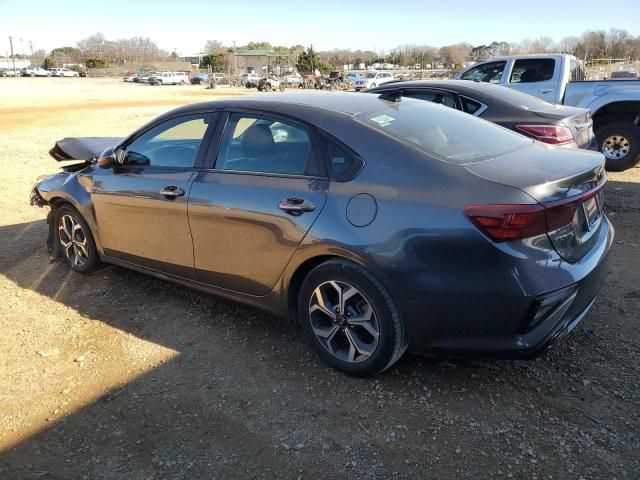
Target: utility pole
{"points": [[235, 60], [31, 47], [13, 58]]}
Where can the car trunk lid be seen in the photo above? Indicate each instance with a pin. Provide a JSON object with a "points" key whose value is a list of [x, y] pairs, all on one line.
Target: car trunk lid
{"points": [[567, 184], [577, 119]]}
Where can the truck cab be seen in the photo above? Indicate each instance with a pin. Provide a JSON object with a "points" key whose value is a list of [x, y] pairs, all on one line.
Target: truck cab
{"points": [[560, 79], [543, 76]]}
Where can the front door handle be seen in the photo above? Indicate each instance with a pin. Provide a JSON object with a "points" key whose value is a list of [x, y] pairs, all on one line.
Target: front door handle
{"points": [[296, 206], [546, 90], [171, 192]]}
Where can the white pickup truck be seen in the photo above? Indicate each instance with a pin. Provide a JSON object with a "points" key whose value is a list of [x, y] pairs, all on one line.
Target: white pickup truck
{"points": [[614, 104]]}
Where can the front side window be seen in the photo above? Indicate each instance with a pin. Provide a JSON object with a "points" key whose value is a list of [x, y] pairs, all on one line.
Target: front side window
{"points": [[174, 143], [531, 70], [487, 73], [255, 143]]}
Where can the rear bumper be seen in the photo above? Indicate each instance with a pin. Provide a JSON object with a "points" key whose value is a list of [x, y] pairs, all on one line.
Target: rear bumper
{"points": [[491, 309]]}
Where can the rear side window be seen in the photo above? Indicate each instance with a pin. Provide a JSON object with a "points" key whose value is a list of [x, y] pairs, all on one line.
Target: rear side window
{"points": [[470, 106], [488, 72], [577, 73], [342, 163], [443, 133], [531, 70], [256, 143]]}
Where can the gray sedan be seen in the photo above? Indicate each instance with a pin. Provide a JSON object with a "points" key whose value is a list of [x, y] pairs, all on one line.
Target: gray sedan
{"points": [[381, 225]]}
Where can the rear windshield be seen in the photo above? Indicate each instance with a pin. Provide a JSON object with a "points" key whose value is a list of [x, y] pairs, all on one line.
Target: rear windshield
{"points": [[523, 100], [443, 132]]}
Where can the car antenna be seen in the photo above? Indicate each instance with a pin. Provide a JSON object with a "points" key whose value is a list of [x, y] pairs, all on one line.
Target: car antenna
{"points": [[392, 96]]}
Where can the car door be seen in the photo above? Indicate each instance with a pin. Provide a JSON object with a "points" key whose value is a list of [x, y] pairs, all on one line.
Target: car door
{"points": [[141, 205], [250, 211], [536, 76]]}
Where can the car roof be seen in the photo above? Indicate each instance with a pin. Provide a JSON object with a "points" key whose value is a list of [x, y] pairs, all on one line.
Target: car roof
{"points": [[297, 103], [464, 87]]}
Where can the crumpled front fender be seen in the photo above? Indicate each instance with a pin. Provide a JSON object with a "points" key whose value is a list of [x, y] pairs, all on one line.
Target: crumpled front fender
{"points": [[73, 188]]}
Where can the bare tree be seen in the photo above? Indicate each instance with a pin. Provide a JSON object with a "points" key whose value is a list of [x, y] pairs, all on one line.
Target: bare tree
{"points": [[568, 44], [543, 45], [212, 46], [618, 43], [592, 45]]}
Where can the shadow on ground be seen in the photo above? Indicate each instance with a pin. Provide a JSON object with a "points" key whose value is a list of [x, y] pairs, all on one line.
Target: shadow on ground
{"points": [[247, 399]]}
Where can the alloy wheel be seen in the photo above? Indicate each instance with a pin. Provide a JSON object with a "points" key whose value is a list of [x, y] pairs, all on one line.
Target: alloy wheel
{"points": [[344, 322], [73, 240], [615, 147]]}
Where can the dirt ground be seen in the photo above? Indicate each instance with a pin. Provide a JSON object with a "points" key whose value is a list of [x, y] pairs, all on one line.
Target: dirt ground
{"points": [[117, 375]]}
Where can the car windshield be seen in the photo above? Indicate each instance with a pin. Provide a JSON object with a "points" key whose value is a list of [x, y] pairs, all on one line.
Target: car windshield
{"points": [[443, 132], [371, 75]]}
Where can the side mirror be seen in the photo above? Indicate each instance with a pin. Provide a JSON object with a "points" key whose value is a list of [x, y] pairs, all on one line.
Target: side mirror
{"points": [[110, 157]]}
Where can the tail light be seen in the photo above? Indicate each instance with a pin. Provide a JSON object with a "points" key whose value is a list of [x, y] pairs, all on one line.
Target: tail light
{"points": [[503, 223], [552, 134]]}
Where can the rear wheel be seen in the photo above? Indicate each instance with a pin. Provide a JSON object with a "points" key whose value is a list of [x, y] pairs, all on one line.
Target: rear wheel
{"points": [[351, 319], [620, 144], [75, 240]]}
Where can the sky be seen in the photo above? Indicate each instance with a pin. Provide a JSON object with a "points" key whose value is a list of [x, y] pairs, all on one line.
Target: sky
{"points": [[184, 26]]}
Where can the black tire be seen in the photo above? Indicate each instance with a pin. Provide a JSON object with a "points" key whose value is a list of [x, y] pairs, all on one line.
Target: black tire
{"points": [[631, 134], [391, 342], [92, 258]]}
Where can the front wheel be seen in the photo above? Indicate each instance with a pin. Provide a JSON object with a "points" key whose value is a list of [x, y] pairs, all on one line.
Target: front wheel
{"points": [[75, 240], [620, 143], [351, 319]]}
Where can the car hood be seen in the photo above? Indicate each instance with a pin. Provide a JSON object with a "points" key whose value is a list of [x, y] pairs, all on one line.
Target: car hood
{"points": [[82, 148]]}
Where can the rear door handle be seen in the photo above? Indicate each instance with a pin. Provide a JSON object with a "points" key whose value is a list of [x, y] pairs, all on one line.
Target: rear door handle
{"points": [[296, 206], [171, 192]]}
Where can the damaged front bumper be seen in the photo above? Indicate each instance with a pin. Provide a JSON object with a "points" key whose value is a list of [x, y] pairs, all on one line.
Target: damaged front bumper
{"points": [[36, 200]]}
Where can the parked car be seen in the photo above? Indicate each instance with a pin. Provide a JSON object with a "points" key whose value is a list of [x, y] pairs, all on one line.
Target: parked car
{"points": [[352, 77], [169, 78], [294, 79], [268, 84], [614, 104], [145, 77], [517, 111], [9, 72], [63, 72], [250, 80], [372, 80], [198, 78], [35, 72], [624, 75], [380, 225], [132, 77]]}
